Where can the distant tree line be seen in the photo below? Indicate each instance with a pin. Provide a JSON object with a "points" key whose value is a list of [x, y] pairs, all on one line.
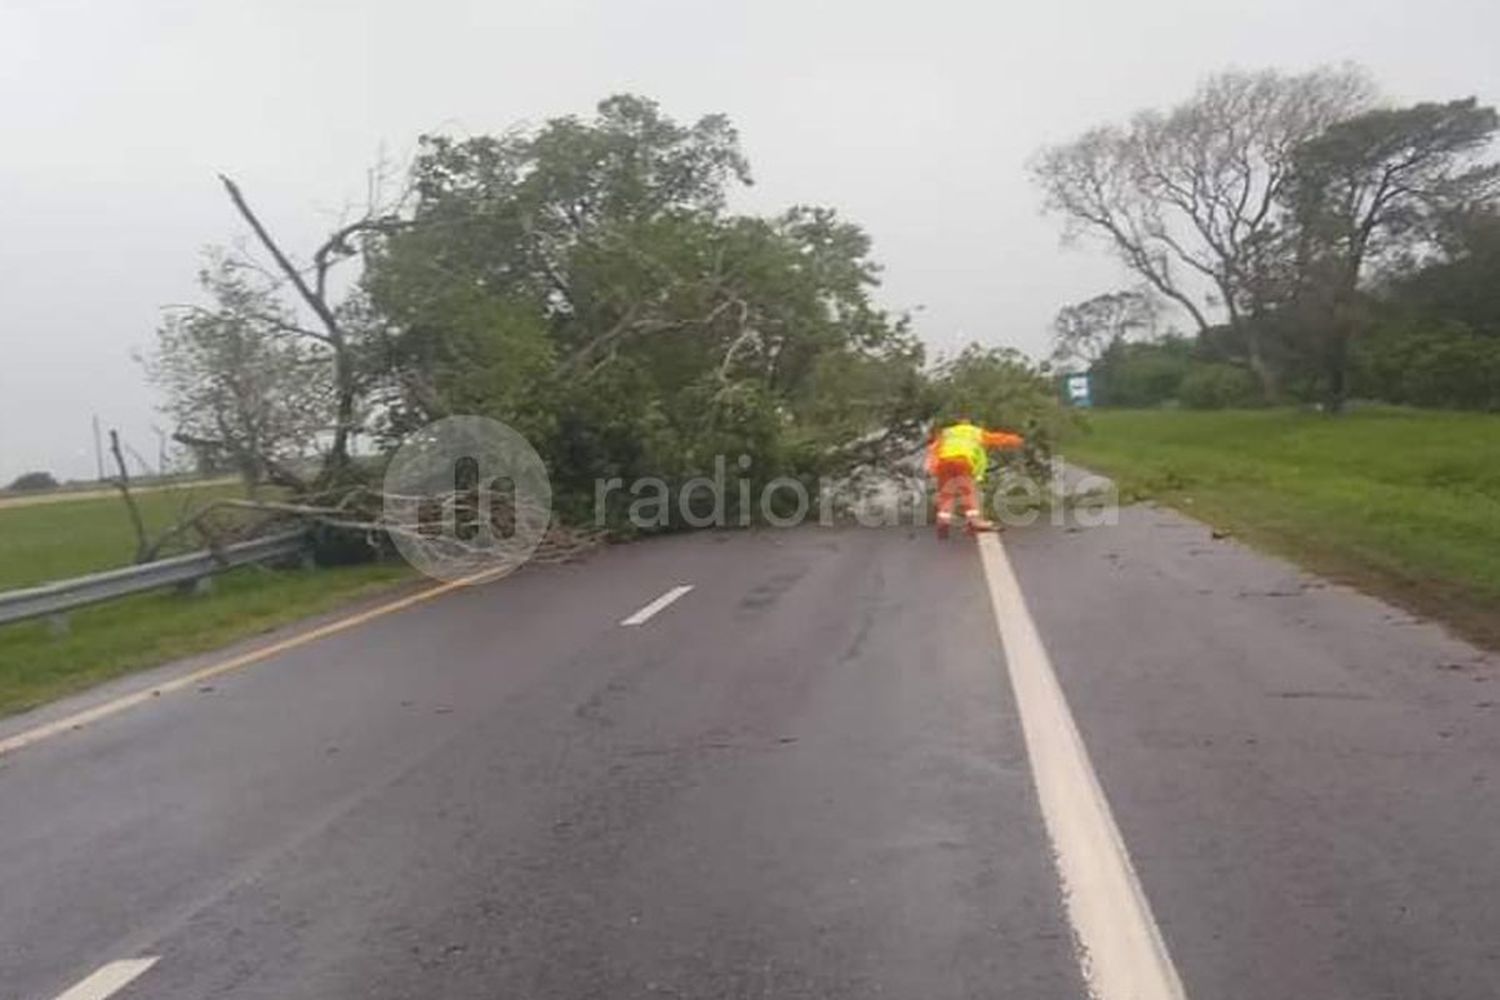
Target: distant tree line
{"points": [[32, 482], [1322, 245]]}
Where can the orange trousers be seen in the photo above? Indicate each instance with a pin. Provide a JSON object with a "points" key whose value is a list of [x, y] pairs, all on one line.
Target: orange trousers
{"points": [[955, 481]]}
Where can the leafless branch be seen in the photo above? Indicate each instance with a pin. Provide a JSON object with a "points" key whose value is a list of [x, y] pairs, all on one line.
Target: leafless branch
{"points": [[122, 483]]}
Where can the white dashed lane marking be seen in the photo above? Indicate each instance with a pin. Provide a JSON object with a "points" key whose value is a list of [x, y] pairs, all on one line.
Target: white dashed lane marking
{"points": [[109, 980], [644, 615]]}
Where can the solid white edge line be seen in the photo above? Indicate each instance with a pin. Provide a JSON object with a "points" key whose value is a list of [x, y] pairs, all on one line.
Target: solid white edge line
{"points": [[110, 979], [645, 614], [1121, 950]]}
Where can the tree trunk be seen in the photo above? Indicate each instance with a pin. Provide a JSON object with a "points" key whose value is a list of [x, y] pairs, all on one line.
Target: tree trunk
{"points": [[1270, 383], [1334, 387], [1336, 369], [1341, 329], [337, 459], [1270, 386]]}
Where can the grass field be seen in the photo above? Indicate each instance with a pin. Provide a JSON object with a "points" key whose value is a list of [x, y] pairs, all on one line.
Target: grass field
{"points": [[1403, 503], [48, 541], [93, 491]]}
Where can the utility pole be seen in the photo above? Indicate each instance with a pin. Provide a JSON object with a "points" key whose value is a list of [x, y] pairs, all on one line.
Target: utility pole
{"points": [[98, 452]]}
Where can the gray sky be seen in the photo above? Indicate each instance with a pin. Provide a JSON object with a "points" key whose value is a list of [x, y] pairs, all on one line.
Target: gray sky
{"points": [[914, 119]]}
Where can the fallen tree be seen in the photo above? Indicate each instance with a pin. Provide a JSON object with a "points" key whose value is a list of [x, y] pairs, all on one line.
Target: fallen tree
{"points": [[584, 283]]}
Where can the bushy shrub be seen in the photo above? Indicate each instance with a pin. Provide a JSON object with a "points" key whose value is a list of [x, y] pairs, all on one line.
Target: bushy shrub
{"points": [[1001, 388], [1140, 375], [1216, 386], [30, 482], [1441, 365]]}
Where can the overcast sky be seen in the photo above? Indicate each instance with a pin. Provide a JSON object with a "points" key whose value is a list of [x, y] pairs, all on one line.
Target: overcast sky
{"points": [[914, 119]]}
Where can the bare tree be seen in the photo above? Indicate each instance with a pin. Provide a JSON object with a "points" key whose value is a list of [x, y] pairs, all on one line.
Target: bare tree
{"points": [[238, 384], [1083, 331], [1190, 198], [333, 321]]}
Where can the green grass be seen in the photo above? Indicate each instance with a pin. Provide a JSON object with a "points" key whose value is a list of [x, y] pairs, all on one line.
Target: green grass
{"points": [[67, 538], [49, 541], [1404, 503]]}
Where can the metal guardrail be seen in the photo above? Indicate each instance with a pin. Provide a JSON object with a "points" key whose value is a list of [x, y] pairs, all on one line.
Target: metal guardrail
{"points": [[61, 596]]}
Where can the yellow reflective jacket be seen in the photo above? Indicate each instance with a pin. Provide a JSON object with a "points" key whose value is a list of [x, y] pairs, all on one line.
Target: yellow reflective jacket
{"points": [[965, 441], [972, 443]]}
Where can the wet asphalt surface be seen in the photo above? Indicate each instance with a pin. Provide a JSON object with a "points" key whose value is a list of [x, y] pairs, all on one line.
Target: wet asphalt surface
{"points": [[806, 778]]}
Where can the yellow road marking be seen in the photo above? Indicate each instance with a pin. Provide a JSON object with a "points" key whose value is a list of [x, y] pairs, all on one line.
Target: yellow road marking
{"points": [[89, 715]]}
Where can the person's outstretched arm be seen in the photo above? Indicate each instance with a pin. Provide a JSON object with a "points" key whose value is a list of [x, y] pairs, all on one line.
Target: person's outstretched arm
{"points": [[1003, 440]]}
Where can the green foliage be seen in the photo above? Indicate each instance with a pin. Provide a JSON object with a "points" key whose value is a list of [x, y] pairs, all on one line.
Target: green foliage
{"points": [[584, 282], [1142, 374], [1443, 365], [1377, 190], [1000, 388], [1215, 386], [1168, 372], [1461, 286], [32, 482], [1434, 329]]}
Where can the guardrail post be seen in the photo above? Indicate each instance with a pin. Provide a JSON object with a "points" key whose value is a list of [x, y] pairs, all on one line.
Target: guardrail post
{"points": [[58, 624]]}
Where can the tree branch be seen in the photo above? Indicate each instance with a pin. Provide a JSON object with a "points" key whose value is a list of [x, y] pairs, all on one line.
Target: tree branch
{"points": [[122, 483], [314, 301]]}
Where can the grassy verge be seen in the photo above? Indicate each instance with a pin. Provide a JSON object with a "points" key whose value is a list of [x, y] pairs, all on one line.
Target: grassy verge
{"points": [[67, 538], [97, 491], [108, 640], [1402, 503]]}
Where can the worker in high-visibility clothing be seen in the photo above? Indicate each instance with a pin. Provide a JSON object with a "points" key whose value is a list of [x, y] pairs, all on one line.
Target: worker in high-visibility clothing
{"points": [[958, 456]]}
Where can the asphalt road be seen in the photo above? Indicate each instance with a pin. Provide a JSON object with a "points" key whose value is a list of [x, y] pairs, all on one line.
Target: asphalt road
{"points": [[807, 776]]}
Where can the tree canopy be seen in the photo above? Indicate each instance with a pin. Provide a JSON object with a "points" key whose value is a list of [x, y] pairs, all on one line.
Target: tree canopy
{"points": [[1083, 331]]}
